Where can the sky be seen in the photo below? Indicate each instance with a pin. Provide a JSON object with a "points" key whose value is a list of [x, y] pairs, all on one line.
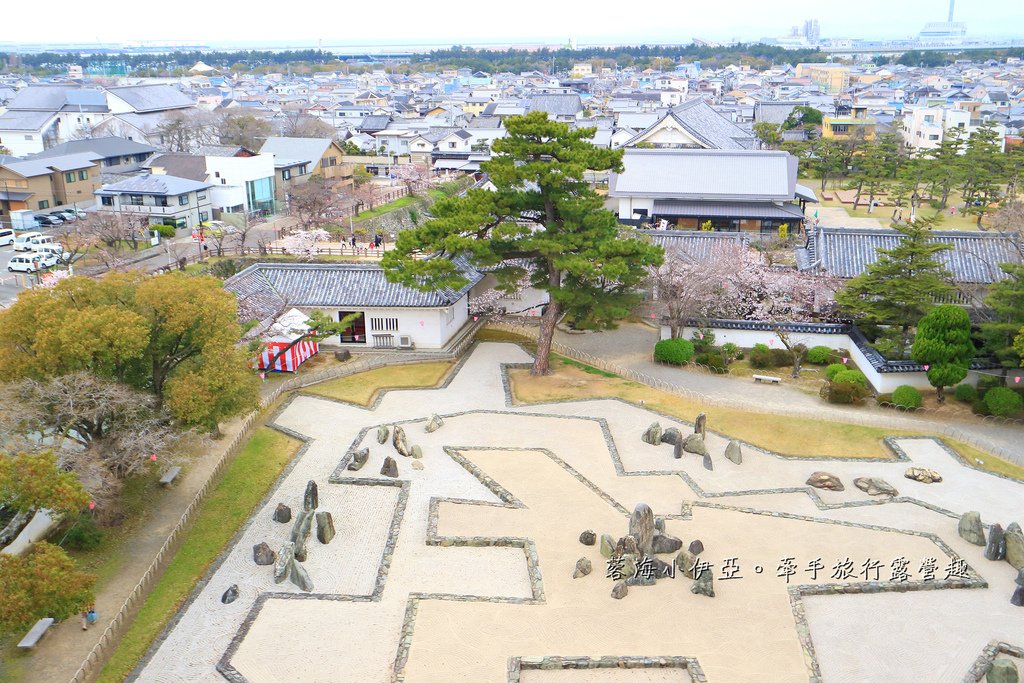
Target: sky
{"points": [[416, 22]]}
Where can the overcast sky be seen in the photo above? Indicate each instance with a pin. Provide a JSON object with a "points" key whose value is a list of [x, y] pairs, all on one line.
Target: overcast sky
{"points": [[521, 22]]}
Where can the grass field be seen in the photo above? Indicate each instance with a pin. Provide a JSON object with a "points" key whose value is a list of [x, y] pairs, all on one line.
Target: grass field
{"points": [[245, 483], [362, 388]]}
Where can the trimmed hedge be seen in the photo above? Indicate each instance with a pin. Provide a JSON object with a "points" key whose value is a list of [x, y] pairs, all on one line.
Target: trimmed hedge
{"points": [[674, 351], [713, 361], [761, 357], [1003, 402], [966, 393], [851, 377], [833, 370], [906, 396], [819, 355]]}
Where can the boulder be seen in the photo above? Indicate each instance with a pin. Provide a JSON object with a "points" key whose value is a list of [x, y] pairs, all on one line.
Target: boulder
{"points": [[284, 562], [708, 465], [382, 434], [628, 566], [607, 545], [588, 537], [262, 554], [672, 435], [1002, 670], [300, 533], [664, 543], [661, 568], [873, 486], [359, 459], [399, 441], [311, 499], [824, 480], [733, 452], [652, 435], [230, 595], [324, 527], [1018, 597], [416, 452], [626, 545], [996, 547], [923, 475], [620, 590], [684, 563], [389, 468], [700, 426], [970, 528], [641, 526], [705, 585], [417, 464], [300, 577], [583, 567], [282, 513], [1014, 546], [696, 547], [434, 424], [694, 443]]}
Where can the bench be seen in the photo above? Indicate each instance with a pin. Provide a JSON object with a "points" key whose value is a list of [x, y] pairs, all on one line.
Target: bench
{"points": [[170, 475], [33, 637], [766, 378]]}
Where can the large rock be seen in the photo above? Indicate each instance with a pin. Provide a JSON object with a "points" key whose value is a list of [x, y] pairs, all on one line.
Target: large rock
{"points": [[1002, 670], [996, 547], [664, 543], [324, 527], [824, 480], [434, 424], [1015, 546], [417, 464], [300, 533], [230, 595], [659, 524], [733, 452], [1020, 578], [700, 426], [359, 459], [684, 563], [970, 528], [661, 568], [694, 443], [399, 441], [696, 547], [923, 475], [389, 468], [708, 465], [282, 513], [300, 577], [285, 559], [672, 435], [607, 545], [1018, 597], [583, 567], [873, 486], [626, 545], [705, 585], [262, 554], [620, 590], [382, 434], [641, 527], [311, 499], [588, 537], [652, 435]]}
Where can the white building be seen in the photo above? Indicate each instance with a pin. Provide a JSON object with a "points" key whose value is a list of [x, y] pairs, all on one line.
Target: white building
{"points": [[163, 199], [926, 127]]}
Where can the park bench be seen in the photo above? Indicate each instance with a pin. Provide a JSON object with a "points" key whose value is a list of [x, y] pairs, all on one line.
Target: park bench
{"points": [[33, 637], [767, 378], [170, 475]]}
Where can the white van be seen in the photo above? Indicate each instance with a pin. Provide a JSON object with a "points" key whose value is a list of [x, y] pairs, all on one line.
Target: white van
{"points": [[23, 242], [26, 264], [52, 253], [39, 241], [6, 237]]}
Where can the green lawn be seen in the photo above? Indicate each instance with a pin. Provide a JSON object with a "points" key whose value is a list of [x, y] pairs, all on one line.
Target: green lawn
{"points": [[246, 481], [362, 388]]}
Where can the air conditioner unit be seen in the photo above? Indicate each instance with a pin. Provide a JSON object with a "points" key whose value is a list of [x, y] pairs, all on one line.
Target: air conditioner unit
{"points": [[405, 342]]}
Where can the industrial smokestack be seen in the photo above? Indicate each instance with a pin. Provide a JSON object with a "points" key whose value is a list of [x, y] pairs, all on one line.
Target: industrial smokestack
{"points": [[952, 4]]}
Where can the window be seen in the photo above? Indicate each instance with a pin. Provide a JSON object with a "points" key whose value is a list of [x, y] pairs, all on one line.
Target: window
{"points": [[933, 136], [286, 174], [107, 201], [204, 216], [69, 177], [44, 204], [200, 197], [303, 170], [216, 174], [383, 324], [182, 200], [161, 201], [331, 161], [223, 181], [135, 199], [451, 145], [83, 175], [356, 332]]}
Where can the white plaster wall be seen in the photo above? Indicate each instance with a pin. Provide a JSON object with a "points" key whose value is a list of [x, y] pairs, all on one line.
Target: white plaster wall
{"points": [[428, 327]]}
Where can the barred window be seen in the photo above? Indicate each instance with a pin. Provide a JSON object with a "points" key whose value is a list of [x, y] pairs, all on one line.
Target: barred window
{"points": [[384, 324]]}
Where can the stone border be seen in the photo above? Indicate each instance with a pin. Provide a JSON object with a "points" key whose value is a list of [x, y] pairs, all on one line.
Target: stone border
{"points": [[516, 665], [988, 656]]}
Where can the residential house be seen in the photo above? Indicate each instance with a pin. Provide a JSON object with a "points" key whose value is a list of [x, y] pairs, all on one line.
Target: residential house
{"points": [[51, 182], [117, 156], [241, 180], [296, 160], [41, 116], [693, 124], [161, 199], [847, 122]]}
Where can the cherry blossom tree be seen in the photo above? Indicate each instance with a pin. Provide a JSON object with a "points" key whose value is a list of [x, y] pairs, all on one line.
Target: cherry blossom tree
{"points": [[303, 242], [415, 176]]}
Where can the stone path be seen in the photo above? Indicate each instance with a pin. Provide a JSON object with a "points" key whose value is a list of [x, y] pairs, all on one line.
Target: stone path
{"points": [[453, 571]]}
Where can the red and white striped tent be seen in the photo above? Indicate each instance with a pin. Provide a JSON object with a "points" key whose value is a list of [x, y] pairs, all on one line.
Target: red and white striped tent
{"points": [[288, 327]]}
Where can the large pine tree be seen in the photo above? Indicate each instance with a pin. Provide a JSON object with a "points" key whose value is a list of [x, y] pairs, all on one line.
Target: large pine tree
{"points": [[943, 344], [1006, 301]]}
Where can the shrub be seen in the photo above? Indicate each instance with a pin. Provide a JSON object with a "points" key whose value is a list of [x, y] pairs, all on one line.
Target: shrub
{"points": [[674, 351], [43, 583], [165, 231], [978, 407], [819, 355], [84, 535], [703, 340], [713, 361], [986, 382], [844, 392], [729, 352], [832, 370], [906, 396], [1002, 401], [780, 357], [760, 357], [966, 393], [884, 398], [851, 377]]}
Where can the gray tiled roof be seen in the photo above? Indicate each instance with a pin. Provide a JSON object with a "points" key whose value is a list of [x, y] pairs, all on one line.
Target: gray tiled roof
{"points": [[697, 245], [296, 149], [44, 166], [699, 119], [105, 147], [154, 184], [668, 207], [556, 105], [25, 120], [54, 98], [146, 98], [973, 258]]}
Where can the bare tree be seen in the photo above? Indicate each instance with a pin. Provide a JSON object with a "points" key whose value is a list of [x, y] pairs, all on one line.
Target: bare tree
{"points": [[315, 203], [297, 124], [244, 130], [188, 129]]}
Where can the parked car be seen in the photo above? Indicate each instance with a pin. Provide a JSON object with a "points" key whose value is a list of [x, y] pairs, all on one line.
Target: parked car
{"points": [[23, 242], [25, 264], [64, 215], [218, 228], [6, 237], [39, 241], [52, 251], [45, 220], [46, 259], [79, 213]]}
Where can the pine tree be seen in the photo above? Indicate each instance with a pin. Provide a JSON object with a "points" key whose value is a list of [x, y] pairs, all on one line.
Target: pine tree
{"points": [[1006, 300], [943, 344]]}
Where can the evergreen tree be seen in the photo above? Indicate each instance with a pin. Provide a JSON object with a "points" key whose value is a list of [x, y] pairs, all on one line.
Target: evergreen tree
{"points": [[982, 171], [1006, 300], [545, 221], [944, 168], [943, 344]]}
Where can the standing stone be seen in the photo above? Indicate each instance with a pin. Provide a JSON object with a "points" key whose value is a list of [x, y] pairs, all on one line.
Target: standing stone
{"points": [[641, 527], [434, 424], [873, 486], [696, 547], [824, 480], [416, 452], [359, 459], [996, 548], [733, 453], [694, 443], [324, 527], [282, 513], [284, 562], [1018, 597], [970, 528], [664, 543], [705, 585], [672, 435], [619, 590], [389, 468], [230, 595], [607, 545], [652, 435], [382, 434], [708, 465], [588, 537], [311, 499], [583, 567], [1020, 578], [300, 534], [300, 577], [262, 554], [677, 449], [700, 426], [1014, 546], [684, 563], [399, 441], [1002, 671]]}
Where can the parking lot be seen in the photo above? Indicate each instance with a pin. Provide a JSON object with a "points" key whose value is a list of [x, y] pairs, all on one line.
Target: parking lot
{"points": [[10, 283]]}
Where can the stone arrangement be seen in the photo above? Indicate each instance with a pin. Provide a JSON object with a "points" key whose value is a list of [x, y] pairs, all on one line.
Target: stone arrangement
{"points": [[286, 563], [824, 480], [1002, 671], [399, 441], [923, 475], [282, 513], [389, 468], [970, 528], [382, 435]]}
